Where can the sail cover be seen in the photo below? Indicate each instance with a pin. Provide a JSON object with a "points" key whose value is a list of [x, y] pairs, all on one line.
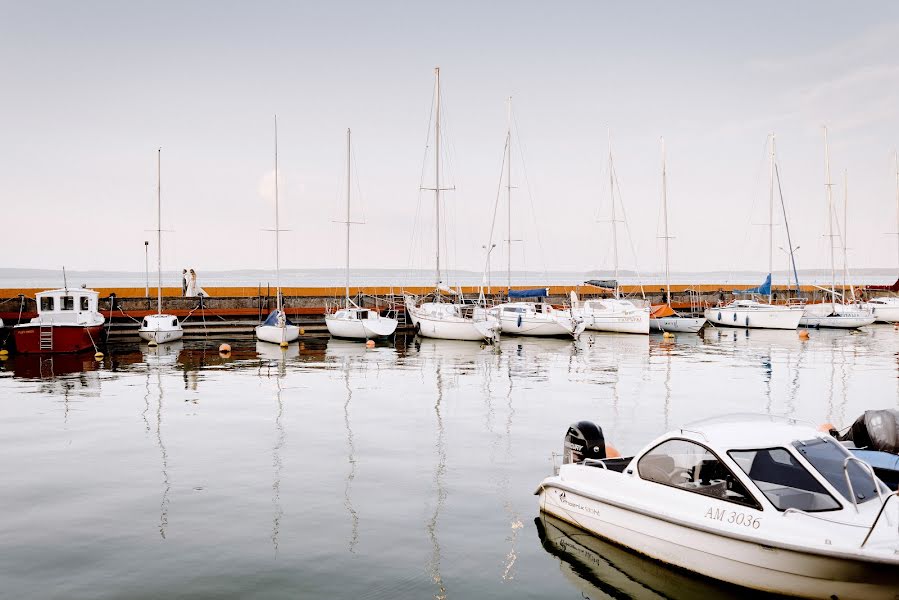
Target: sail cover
{"points": [[603, 283], [763, 289], [534, 293], [272, 319]]}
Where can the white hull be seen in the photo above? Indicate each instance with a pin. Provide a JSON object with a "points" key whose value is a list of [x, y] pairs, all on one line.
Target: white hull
{"points": [[275, 335], [837, 321], [743, 562], [360, 329], [767, 317], [677, 324], [612, 315], [884, 313], [538, 320], [457, 329], [160, 329]]}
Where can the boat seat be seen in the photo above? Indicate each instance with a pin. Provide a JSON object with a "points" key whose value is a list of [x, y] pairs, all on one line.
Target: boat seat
{"points": [[658, 468]]}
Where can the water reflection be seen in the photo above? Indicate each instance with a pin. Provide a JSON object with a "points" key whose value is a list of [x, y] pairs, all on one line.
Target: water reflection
{"points": [[439, 473], [159, 359]]}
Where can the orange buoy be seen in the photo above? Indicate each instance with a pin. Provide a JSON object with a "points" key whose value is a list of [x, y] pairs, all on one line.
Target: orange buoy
{"points": [[803, 334], [302, 331], [370, 344], [225, 348], [826, 427], [612, 452]]}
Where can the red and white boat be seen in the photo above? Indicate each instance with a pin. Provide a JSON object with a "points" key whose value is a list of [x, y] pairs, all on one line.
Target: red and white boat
{"points": [[67, 321]]}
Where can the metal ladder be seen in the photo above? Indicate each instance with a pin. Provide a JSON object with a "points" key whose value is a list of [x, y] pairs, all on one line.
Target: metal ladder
{"points": [[46, 333]]}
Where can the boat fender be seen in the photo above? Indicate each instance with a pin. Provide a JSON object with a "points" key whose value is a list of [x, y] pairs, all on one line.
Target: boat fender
{"points": [[747, 320], [735, 317], [519, 320], [612, 452], [583, 440], [719, 315]]}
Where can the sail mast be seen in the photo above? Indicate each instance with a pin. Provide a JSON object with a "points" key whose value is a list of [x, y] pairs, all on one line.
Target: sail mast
{"points": [[277, 223], [437, 175], [159, 231], [845, 233], [665, 220], [347, 299], [614, 220], [509, 193], [828, 185], [771, 224], [897, 203]]}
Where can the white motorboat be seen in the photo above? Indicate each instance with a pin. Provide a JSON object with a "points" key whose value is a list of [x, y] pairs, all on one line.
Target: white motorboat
{"points": [[614, 315], [758, 501], [752, 314], [353, 321], [885, 309], [663, 317], [537, 319], [454, 320], [159, 328], [835, 315], [277, 328]]}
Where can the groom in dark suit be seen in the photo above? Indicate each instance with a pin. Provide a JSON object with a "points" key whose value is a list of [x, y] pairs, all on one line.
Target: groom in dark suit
{"points": [[183, 282]]}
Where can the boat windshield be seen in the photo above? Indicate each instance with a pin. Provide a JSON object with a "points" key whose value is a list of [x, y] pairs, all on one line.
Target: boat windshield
{"points": [[828, 458], [785, 482]]}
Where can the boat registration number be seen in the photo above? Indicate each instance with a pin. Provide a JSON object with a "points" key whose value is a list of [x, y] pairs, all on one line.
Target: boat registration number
{"points": [[733, 517]]}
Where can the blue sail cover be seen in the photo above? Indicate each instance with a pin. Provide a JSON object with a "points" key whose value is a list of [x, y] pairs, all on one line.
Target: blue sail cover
{"points": [[535, 293], [272, 319], [763, 289]]}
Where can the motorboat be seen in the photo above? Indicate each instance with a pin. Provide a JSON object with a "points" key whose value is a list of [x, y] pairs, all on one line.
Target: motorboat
{"points": [[277, 328], [159, 328], [885, 309], [663, 317], [68, 320], [354, 322], [752, 314], [615, 315], [835, 315], [537, 319], [453, 321], [763, 502]]}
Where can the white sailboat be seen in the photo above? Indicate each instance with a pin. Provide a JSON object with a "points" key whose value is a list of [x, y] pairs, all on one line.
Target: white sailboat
{"points": [[159, 328], [752, 314], [353, 321], [277, 328], [447, 320], [616, 314], [663, 317], [886, 308], [834, 314]]}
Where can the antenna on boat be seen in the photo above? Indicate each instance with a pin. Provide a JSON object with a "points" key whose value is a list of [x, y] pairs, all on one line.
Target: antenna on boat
{"points": [[65, 283]]}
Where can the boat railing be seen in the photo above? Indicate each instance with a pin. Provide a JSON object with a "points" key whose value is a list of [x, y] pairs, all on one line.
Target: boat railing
{"points": [[797, 302], [867, 468], [881, 513]]}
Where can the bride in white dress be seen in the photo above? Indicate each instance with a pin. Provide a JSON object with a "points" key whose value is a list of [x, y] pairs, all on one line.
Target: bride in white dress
{"points": [[193, 288]]}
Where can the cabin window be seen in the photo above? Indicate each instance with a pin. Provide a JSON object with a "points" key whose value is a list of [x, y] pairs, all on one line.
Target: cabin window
{"points": [[174, 322], [785, 482], [827, 457], [68, 303], [47, 303], [145, 324], [513, 309], [692, 467], [84, 303]]}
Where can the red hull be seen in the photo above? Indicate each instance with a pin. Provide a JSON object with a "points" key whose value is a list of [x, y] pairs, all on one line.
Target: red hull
{"points": [[63, 338]]}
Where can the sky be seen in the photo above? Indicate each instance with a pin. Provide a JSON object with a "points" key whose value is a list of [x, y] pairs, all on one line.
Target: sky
{"points": [[90, 90]]}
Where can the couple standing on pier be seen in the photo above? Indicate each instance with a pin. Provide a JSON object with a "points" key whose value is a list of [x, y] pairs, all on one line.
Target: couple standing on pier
{"points": [[189, 285]]}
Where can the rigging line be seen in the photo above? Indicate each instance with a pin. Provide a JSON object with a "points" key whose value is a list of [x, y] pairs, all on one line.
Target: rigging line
{"points": [[421, 180], [499, 190], [527, 183], [787, 227], [627, 229], [449, 151], [760, 167]]}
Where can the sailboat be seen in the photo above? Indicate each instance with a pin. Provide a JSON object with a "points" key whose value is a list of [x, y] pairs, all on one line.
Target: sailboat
{"points": [[663, 317], [159, 328], [886, 308], [353, 321], [448, 320], [517, 316], [612, 314], [834, 314], [750, 313], [277, 329]]}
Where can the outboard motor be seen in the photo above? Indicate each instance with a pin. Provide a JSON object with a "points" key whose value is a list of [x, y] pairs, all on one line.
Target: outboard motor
{"points": [[583, 440], [876, 430]]}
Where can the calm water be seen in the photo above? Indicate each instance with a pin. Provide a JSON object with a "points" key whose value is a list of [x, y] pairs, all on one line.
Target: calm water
{"points": [[336, 471]]}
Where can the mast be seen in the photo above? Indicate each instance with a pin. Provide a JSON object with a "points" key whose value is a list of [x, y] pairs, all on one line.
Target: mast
{"points": [[614, 220], [771, 223], [437, 174], [509, 193], [277, 223], [159, 231], [665, 221], [845, 233], [897, 202], [347, 300], [828, 185]]}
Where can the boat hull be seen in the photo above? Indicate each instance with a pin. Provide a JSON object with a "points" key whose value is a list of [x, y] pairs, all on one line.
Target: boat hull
{"points": [[776, 318], [539, 327], [743, 562], [836, 321], [62, 338], [677, 324], [884, 313], [457, 329], [360, 329], [160, 329], [638, 323], [275, 335]]}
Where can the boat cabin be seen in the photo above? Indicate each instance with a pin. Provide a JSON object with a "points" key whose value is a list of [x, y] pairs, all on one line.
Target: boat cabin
{"points": [[67, 306], [354, 314]]}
